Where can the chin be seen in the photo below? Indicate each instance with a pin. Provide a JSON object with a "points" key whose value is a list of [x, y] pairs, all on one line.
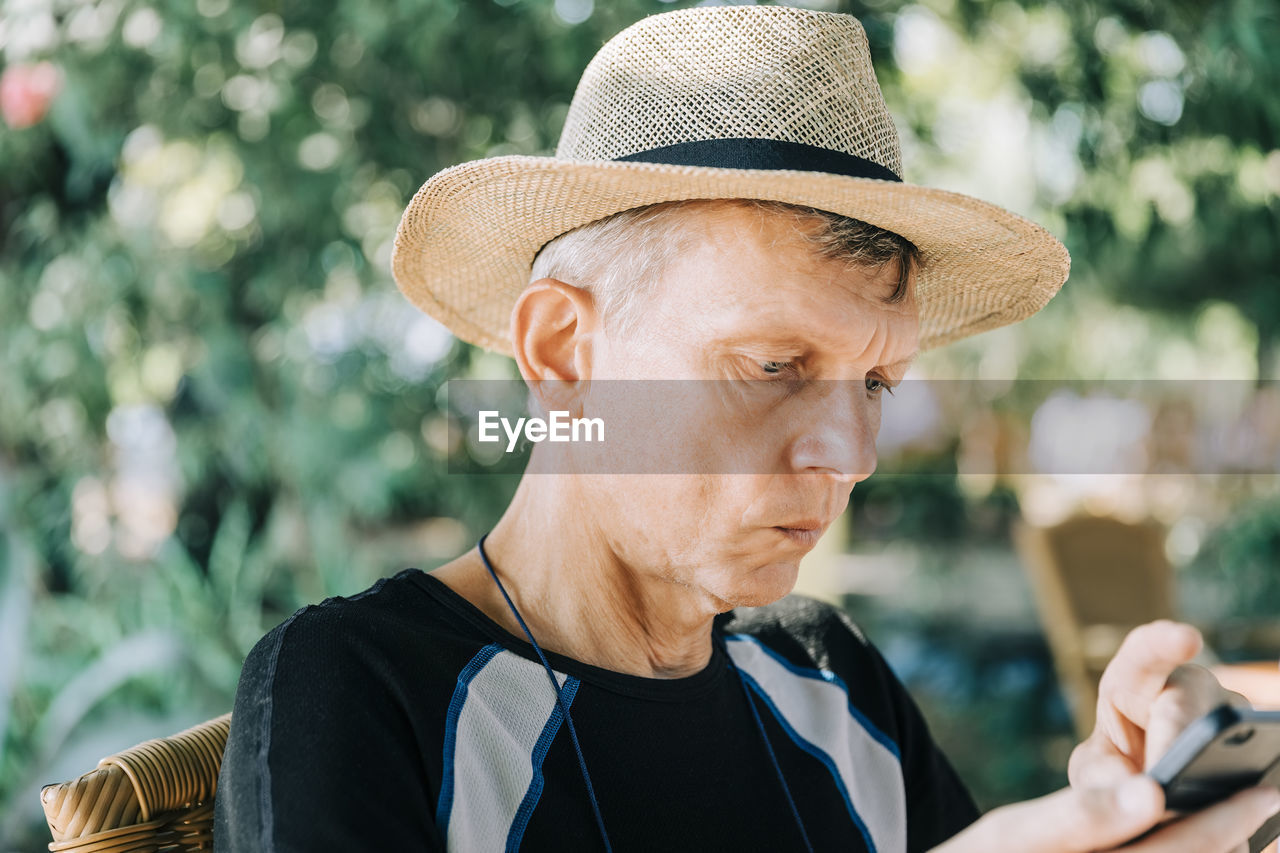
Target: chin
{"points": [[765, 585]]}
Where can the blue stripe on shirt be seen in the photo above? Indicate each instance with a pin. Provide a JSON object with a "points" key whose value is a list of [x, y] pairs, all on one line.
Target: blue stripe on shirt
{"points": [[473, 667], [831, 678], [531, 796]]}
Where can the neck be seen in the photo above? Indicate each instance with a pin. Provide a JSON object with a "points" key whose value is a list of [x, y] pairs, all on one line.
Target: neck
{"points": [[580, 597]]}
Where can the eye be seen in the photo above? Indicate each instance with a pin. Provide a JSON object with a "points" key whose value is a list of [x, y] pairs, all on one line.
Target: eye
{"points": [[875, 386], [775, 368]]}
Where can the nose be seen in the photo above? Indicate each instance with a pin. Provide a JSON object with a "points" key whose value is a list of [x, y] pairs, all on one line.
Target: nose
{"points": [[836, 433]]}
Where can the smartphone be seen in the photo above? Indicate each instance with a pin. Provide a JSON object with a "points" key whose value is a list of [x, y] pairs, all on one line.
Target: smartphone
{"points": [[1225, 751]]}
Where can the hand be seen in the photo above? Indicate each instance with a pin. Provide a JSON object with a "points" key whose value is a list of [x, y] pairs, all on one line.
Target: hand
{"points": [[1148, 694], [1087, 820]]}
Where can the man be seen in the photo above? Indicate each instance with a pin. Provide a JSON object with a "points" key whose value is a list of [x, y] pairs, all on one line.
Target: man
{"points": [[618, 663]]}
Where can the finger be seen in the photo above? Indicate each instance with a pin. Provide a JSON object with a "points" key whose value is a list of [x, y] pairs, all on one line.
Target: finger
{"points": [[1097, 763], [1217, 829], [1142, 666], [1067, 821], [1192, 691]]}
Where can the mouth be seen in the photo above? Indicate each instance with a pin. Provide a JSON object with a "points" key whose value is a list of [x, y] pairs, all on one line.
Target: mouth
{"points": [[806, 533]]}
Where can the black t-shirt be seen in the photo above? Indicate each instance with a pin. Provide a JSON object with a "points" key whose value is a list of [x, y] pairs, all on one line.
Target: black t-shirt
{"points": [[404, 718]]}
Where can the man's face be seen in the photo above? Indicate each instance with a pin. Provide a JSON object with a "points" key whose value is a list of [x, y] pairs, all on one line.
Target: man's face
{"points": [[787, 349]]}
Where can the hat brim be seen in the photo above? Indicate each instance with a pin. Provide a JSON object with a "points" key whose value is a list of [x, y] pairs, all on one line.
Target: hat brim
{"points": [[466, 242]]}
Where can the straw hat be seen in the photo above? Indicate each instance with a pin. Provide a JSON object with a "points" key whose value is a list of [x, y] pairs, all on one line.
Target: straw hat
{"points": [[764, 102]]}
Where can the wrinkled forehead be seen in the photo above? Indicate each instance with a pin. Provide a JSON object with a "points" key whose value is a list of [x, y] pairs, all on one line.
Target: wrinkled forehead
{"points": [[766, 267]]}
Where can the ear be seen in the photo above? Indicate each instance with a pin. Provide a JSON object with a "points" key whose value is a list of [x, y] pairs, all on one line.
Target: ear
{"points": [[553, 327]]}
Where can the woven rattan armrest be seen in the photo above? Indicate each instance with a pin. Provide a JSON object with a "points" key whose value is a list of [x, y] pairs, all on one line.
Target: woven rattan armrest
{"points": [[156, 796]]}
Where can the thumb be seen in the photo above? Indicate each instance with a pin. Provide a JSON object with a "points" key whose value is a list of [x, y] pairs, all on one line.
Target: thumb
{"points": [[1068, 821]]}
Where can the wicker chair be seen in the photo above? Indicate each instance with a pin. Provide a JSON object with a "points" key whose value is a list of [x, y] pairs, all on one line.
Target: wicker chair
{"points": [[1095, 578], [156, 797]]}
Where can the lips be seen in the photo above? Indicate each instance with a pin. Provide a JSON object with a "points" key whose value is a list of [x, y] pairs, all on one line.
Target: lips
{"points": [[802, 524], [806, 536]]}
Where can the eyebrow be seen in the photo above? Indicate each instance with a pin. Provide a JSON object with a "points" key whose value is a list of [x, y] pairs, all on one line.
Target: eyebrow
{"points": [[763, 338], [899, 368]]}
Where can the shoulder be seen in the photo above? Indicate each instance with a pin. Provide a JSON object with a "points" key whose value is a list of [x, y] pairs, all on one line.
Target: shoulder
{"points": [[332, 668], [805, 630], [810, 648], [321, 732], [344, 625], [390, 644], [821, 648]]}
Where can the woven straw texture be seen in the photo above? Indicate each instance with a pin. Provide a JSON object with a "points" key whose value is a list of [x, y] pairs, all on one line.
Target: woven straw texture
{"points": [[156, 797], [735, 72], [466, 242]]}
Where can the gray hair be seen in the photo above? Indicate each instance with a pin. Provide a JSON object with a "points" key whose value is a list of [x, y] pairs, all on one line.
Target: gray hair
{"points": [[619, 257]]}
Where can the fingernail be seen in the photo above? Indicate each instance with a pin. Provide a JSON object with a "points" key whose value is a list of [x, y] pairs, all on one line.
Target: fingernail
{"points": [[1137, 796]]}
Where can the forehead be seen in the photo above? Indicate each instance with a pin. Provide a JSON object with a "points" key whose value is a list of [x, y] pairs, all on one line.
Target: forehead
{"points": [[752, 272]]}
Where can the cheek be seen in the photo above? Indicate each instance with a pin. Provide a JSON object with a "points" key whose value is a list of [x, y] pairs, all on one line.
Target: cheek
{"points": [[706, 438], [689, 513], [651, 507]]}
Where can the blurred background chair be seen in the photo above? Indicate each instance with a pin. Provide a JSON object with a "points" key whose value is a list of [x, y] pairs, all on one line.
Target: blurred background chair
{"points": [[1094, 579], [156, 796]]}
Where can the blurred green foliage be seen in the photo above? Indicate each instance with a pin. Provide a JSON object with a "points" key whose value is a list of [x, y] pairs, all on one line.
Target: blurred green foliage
{"points": [[1242, 558], [216, 407]]}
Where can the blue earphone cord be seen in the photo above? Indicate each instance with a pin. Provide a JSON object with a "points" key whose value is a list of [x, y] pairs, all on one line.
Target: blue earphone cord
{"points": [[573, 734]]}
